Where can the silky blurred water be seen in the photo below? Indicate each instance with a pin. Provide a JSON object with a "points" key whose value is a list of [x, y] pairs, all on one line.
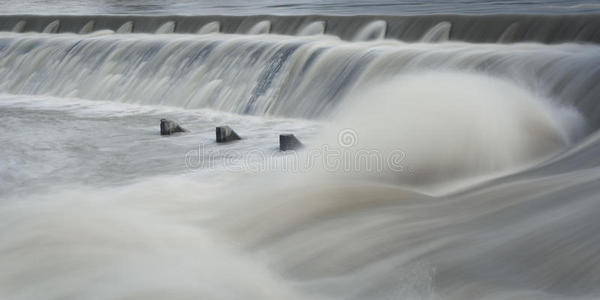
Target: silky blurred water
{"points": [[496, 196]]}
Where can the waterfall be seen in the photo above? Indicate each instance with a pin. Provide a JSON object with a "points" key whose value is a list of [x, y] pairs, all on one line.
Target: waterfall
{"points": [[438, 33], [262, 27], [127, 27], [168, 27], [314, 28], [52, 27], [445, 157], [479, 29], [19, 27], [509, 34], [373, 31], [295, 76], [87, 28], [212, 27]]}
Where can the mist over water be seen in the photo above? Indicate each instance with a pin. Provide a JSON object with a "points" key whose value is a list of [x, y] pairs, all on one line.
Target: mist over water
{"points": [[449, 133], [433, 168]]}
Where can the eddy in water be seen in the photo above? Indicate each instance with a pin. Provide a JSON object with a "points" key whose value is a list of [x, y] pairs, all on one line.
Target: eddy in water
{"points": [[438, 159]]}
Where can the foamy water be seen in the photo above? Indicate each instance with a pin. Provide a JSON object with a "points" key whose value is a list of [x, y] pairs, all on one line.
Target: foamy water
{"points": [[487, 188]]}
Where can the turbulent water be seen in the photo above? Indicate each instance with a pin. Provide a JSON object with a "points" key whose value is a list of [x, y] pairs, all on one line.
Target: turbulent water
{"points": [[440, 161]]}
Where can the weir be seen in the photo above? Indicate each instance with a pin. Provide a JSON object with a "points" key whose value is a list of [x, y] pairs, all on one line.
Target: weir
{"points": [[304, 77], [480, 29], [212, 27], [314, 28], [127, 27], [19, 26], [373, 31], [439, 33], [262, 27], [168, 27], [52, 27], [87, 28], [440, 156]]}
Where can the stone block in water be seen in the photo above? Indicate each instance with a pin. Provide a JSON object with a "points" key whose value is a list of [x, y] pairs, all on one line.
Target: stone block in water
{"points": [[226, 134], [289, 142], [168, 127]]}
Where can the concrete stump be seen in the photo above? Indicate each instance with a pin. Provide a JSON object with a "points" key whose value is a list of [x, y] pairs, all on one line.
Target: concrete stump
{"points": [[289, 142], [168, 127], [226, 134]]}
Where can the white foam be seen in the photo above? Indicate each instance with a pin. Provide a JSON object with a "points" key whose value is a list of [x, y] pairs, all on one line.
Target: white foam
{"points": [[453, 128]]}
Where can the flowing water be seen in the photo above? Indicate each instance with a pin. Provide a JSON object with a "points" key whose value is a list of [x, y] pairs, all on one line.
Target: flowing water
{"points": [[442, 160]]}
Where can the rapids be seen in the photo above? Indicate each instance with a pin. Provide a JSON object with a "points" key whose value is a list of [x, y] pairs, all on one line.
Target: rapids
{"points": [[494, 194]]}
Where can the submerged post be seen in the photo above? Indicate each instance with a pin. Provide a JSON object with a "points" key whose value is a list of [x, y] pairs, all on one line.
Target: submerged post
{"points": [[289, 142], [226, 134], [168, 127]]}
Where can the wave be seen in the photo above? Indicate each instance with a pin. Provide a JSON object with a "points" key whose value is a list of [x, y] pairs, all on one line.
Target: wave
{"points": [[436, 132]]}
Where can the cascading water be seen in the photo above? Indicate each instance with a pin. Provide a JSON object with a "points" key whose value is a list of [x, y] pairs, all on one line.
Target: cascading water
{"points": [[439, 33], [19, 26], [168, 27], [373, 31], [127, 27], [87, 28], [313, 28], [476, 29], [262, 27], [509, 34], [285, 76], [212, 27], [52, 27], [494, 194]]}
